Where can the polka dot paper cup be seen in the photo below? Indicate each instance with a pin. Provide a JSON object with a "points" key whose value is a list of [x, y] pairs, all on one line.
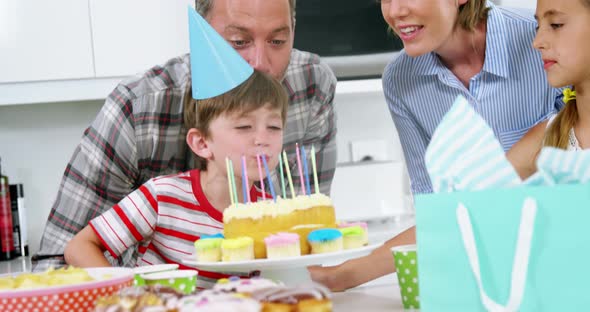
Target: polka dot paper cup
{"points": [[146, 269], [406, 265], [184, 281]]}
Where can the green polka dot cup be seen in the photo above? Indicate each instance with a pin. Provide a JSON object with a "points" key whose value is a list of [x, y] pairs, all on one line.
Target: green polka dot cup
{"points": [[146, 269], [184, 281], [406, 265]]}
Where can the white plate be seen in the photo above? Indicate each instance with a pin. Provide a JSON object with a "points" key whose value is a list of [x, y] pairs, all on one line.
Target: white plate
{"points": [[263, 265], [146, 269]]}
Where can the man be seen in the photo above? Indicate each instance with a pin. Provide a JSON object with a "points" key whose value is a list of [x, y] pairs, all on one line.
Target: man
{"points": [[139, 132]]}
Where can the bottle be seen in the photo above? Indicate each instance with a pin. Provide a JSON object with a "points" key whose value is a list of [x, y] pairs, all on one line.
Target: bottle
{"points": [[15, 223], [19, 221], [6, 238]]}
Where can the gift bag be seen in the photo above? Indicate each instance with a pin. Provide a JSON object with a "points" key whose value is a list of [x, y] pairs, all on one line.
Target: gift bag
{"points": [[488, 241], [529, 245]]}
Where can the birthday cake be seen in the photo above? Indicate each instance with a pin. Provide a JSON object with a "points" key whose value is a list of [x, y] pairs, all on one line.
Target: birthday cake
{"points": [[260, 220], [278, 227]]}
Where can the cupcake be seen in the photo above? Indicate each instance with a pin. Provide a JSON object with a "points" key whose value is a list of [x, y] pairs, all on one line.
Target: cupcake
{"points": [[218, 235], [310, 297], [353, 237], [325, 240], [208, 248], [282, 245], [363, 226], [237, 249]]}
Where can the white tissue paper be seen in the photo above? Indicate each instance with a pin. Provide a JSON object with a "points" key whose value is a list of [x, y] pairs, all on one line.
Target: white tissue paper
{"points": [[464, 155]]}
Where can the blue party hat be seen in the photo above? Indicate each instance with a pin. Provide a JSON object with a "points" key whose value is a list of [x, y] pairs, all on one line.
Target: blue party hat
{"points": [[215, 66]]}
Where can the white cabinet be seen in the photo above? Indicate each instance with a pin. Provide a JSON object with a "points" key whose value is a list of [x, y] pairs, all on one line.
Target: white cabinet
{"points": [[44, 40], [131, 36]]}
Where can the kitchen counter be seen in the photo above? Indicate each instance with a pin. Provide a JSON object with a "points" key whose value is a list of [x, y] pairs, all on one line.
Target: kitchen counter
{"points": [[20, 264]]}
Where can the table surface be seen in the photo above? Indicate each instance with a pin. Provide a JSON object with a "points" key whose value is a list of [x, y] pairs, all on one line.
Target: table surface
{"points": [[379, 295]]}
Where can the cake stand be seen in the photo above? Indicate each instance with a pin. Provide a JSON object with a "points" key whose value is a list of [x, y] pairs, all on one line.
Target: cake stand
{"points": [[291, 270]]}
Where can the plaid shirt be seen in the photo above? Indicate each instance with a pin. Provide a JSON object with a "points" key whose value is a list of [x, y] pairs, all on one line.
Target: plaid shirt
{"points": [[139, 134]]}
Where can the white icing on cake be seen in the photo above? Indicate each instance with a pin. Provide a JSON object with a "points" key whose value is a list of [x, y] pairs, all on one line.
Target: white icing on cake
{"points": [[272, 209]]}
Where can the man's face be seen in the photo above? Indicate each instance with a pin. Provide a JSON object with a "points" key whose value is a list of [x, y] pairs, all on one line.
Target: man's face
{"points": [[260, 30]]}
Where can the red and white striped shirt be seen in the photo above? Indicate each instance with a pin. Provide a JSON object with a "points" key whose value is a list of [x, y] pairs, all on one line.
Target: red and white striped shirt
{"points": [[164, 216]]}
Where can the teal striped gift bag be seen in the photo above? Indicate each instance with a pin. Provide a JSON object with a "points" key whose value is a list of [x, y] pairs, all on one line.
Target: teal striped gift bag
{"points": [[488, 241]]}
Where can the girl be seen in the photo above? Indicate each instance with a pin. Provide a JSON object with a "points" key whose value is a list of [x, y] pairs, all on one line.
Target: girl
{"points": [[562, 38]]}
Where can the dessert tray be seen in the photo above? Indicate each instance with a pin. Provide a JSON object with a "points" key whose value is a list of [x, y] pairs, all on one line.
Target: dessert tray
{"points": [[293, 269]]}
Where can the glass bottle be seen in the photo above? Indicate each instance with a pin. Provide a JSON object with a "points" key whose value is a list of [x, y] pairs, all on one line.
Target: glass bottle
{"points": [[6, 235]]}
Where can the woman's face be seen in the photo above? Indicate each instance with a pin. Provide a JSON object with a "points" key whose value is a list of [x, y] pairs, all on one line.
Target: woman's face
{"points": [[423, 25]]}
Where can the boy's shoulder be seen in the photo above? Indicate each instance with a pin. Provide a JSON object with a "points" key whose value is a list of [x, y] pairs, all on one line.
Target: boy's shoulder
{"points": [[179, 180]]}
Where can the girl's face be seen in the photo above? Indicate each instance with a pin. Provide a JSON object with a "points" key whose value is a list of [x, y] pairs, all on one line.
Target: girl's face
{"points": [[423, 25], [563, 37]]}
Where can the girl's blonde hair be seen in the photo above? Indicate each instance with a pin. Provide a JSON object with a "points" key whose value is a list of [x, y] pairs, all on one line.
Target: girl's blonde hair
{"points": [[259, 90], [557, 135]]}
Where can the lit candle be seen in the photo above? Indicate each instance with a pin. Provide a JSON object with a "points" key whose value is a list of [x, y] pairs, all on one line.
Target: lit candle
{"points": [[300, 168], [314, 170], [306, 170], [261, 177], [245, 184], [272, 188], [286, 162], [227, 168], [233, 182], [282, 177]]}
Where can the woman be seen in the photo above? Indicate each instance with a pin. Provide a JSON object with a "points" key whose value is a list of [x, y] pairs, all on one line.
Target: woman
{"points": [[452, 47]]}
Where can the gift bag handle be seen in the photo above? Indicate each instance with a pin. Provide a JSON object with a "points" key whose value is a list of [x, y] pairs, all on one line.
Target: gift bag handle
{"points": [[521, 256]]}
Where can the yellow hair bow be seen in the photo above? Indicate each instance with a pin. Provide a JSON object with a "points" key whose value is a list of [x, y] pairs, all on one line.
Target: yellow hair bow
{"points": [[568, 95]]}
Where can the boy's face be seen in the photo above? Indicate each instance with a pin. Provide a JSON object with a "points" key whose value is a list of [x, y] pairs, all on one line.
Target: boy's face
{"points": [[562, 38], [236, 134]]}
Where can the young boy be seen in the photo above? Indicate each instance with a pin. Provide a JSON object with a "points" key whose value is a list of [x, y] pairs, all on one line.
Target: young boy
{"points": [[164, 216], [168, 213]]}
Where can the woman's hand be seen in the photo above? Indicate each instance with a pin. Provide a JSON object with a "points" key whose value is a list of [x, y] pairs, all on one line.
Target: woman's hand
{"points": [[327, 276]]}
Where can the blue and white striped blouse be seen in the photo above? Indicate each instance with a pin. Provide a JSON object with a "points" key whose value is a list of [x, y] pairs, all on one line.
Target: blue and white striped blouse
{"points": [[511, 92]]}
